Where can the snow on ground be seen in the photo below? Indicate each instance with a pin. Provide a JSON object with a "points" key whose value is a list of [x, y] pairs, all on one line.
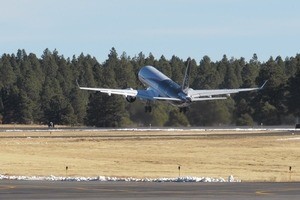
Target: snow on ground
{"points": [[152, 129], [286, 139], [115, 179]]}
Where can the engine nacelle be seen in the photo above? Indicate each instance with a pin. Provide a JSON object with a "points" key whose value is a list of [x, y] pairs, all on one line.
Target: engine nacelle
{"points": [[130, 99]]}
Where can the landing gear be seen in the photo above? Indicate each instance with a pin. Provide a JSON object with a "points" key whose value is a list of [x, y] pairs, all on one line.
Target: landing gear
{"points": [[183, 109], [148, 109]]}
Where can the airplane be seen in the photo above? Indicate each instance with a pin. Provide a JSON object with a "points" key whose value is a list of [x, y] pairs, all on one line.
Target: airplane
{"points": [[162, 88]]}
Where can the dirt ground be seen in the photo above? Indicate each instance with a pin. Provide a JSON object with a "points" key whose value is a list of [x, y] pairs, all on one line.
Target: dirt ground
{"points": [[151, 154]]}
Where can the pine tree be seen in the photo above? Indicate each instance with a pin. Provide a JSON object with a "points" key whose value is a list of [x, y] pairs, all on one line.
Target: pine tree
{"points": [[125, 76], [273, 96], [207, 76], [164, 66], [230, 78], [294, 95], [109, 111], [250, 72], [176, 119], [178, 69], [7, 75]]}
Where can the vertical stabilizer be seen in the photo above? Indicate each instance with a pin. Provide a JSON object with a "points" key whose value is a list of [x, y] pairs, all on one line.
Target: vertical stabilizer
{"points": [[186, 80]]}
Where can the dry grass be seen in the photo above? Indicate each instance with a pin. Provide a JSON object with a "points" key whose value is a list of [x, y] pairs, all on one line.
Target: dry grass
{"points": [[247, 158]]}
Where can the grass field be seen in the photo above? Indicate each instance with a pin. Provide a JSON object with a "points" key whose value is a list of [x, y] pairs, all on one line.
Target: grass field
{"points": [[248, 158]]}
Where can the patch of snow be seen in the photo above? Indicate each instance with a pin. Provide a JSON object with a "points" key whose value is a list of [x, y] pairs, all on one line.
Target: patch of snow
{"points": [[285, 139], [153, 129], [114, 179]]}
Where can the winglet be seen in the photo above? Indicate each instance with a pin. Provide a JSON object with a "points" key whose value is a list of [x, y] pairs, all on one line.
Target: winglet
{"points": [[263, 85], [77, 83]]}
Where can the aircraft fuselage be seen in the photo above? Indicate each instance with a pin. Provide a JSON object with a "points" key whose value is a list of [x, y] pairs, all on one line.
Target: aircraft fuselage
{"points": [[163, 86]]}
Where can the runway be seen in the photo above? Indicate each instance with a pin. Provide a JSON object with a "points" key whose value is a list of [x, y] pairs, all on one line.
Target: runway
{"points": [[138, 190]]}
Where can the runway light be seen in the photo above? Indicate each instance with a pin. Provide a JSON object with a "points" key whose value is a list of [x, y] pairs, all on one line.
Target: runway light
{"points": [[67, 170], [179, 170]]}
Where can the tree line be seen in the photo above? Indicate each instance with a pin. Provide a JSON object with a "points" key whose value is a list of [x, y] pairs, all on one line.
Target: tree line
{"points": [[39, 90]]}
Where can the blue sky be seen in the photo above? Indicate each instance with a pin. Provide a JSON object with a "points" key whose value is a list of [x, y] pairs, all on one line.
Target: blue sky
{"points": [[185, 28]]}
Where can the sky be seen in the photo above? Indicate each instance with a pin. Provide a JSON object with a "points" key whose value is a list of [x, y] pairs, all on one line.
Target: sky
{"points": [[184, 28]]}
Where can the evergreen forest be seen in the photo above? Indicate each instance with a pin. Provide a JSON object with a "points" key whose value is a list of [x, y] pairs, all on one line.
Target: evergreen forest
{"points": [[37, 90]]}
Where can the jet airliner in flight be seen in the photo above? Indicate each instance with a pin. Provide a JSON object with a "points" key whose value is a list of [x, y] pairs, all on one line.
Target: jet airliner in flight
{"points": [[162, 88]]}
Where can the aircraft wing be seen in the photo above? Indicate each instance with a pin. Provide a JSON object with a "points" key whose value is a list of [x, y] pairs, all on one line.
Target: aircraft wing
{"points": [[148, 94], [125, 92], [197, 94]]}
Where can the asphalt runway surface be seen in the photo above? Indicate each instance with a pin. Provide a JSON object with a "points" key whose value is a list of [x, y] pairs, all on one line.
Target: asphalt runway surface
{"points": [[146, 190]]}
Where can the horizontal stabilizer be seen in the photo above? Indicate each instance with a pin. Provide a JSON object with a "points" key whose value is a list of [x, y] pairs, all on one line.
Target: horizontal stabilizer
{"points": [[167, 98]]}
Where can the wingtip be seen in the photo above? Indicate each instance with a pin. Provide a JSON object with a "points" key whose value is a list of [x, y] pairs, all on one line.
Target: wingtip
{"points": [[77, 83], [263, 85]]}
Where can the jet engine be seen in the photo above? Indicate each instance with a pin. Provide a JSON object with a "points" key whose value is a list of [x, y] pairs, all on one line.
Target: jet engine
{"points": [[130, 99]]}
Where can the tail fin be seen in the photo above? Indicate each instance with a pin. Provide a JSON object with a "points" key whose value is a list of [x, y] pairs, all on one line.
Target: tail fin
{"points": [[186, 81]]}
